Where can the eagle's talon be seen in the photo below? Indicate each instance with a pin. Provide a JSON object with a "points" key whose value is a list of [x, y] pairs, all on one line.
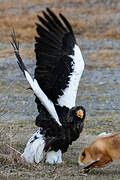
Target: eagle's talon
{"points": [[64, 162]]}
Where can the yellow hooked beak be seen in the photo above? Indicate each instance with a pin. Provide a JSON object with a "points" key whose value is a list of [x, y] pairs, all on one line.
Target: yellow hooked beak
{"points": [[80, 114]]}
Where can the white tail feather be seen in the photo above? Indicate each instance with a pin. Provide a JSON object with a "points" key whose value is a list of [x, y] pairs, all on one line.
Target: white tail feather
{"points": [[104, 134]]}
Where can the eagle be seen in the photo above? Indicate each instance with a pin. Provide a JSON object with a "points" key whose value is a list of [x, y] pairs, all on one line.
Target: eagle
{"points": [[59, 67]]}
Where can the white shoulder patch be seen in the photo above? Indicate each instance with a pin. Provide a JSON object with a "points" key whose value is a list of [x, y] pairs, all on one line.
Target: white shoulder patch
{"points": [[69, 94]]}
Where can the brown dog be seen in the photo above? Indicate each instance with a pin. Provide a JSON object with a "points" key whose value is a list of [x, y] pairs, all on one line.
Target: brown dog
{"points": [[99, 153]]}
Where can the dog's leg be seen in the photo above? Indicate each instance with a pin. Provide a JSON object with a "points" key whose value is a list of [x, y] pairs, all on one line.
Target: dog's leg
{"points": [[90, 166], [103, 160]]}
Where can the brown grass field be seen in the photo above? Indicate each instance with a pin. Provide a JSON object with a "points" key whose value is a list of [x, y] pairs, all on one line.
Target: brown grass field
{"points": [[91, 19]]}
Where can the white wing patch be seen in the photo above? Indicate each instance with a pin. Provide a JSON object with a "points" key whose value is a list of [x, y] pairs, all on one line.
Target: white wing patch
{"points": [[43, 98], [69, 94]]}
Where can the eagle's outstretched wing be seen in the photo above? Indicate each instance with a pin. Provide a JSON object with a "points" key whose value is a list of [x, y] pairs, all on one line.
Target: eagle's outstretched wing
{"points": [[59, 63], [58, 69], [34, 84]]}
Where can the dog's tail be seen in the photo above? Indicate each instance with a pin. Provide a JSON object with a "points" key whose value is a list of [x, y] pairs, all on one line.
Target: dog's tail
{"points": [[104, 134]]}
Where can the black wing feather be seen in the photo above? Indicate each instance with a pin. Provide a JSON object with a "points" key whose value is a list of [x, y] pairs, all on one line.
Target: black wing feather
{"points": [[56, 20], [54, 26], [53, 45], [45, 34], [67, 24], [16, 50], [48, 25]]}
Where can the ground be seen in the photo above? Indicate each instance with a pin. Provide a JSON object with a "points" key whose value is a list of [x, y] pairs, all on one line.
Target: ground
{"points": [[97, 28]]}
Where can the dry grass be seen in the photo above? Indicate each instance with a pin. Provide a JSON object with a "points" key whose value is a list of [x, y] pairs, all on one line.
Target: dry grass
{"points": [[91, 25], [23, 25], [27, 53], [113, 32], [108, 57], [12, 166], [88, 20]]}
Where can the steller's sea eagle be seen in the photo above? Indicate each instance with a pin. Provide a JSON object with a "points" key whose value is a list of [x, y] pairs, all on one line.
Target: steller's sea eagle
{"points": [[59, 66]]}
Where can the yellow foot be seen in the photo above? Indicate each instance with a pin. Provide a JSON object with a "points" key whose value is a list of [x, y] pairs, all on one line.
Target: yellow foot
{"points": [[64, 162]]}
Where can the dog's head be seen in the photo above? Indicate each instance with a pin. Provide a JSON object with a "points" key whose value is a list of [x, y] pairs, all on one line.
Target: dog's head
{"points": [[92, 153], [85, 157]]}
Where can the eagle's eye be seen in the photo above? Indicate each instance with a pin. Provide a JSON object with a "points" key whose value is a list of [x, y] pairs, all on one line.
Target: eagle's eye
{"points": [[80, 113]]}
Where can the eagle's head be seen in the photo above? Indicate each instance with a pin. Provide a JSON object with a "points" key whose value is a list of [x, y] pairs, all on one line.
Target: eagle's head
{"points": [[80, 113], [77, 114], [74, 123]]}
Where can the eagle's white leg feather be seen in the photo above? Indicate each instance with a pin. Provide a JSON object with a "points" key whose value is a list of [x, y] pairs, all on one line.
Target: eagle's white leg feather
{"points": [[53, 157], [33, 151]]}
